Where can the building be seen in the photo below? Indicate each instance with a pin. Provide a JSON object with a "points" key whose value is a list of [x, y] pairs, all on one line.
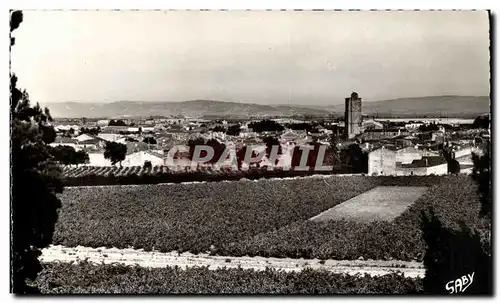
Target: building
{"points": [[353, 118], [388, 160], [372, 124], [102, 123]]}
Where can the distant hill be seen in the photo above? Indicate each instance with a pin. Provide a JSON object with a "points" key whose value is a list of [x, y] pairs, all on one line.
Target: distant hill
{"points": [[188, 108], [433, 106], [452, 106]]}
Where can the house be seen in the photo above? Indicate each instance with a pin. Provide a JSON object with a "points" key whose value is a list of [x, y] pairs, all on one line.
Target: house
{"points": [[103, 123], [65, 141], [289, 136], [84, 137], [372, 124], [379, 134], [138, 159], [110, 137], [436, 165], [388, 160]]}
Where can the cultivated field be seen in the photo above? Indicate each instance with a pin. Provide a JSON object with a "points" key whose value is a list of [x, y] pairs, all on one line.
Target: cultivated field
{"points": [[266, 218], [383, 203], [248, 236]]}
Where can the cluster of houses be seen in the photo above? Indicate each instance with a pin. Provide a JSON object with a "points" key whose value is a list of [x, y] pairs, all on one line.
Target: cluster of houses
{"points": [[392, 150]]}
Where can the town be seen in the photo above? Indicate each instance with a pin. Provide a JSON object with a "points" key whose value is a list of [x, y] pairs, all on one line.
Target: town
{"points": [[356, 143]]}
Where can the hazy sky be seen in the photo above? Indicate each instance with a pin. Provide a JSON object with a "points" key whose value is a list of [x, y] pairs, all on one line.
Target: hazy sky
{"points": [[262, 57]]}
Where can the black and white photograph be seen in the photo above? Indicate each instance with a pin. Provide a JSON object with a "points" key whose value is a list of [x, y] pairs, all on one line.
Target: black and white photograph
{"points": [[251, 152]]}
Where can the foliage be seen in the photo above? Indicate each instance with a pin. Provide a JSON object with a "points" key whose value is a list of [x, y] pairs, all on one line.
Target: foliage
{"points": [[117, 123], [355, 157], [482, 121], [88, 278], [90, 130], [265, 126], [219, 128], [270, 142], [115, 152], [452, 254], [149, 140], [68, 155], [233, 130], [147, 165], [112, 175], [453, 197], [265, 218], [193, 217], [428, 127], [34, 183], [482, 175], [218, 148]]}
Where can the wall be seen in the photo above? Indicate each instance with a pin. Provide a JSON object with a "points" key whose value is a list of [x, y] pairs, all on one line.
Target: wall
{"points": [[407, 155], [382, 162]]}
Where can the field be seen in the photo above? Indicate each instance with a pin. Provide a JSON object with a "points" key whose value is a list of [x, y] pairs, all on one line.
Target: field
{"points": [[258, 218], [115, 175], [382, 203], [87, 278]]}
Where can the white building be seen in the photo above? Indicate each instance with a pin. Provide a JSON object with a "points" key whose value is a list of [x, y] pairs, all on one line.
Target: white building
{"points": [[134, 159], [102, 123], [110, 137]]}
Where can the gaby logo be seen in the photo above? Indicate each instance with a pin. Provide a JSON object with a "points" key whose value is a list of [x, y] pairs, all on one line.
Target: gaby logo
{"points": [[460, 284]]}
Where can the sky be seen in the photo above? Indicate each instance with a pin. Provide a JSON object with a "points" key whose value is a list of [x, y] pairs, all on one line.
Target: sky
{"points": [[265, 57]]}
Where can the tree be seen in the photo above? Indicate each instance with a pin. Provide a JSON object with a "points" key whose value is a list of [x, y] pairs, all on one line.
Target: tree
{"points": [[91, 130], [219, 128], [270, 142], [147, 165], [266, 125], [192, 143], [233, 130], [33, 211], [482, 121], [67, 155], [219, 149], [481, 173], [115, 152], [333, 140], [117, 123], [430, 127], [149, 140], [450, 253], [354, 157]]}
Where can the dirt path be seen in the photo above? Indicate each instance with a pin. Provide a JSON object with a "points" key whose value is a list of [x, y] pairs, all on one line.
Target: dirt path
{"points": [[157, 259]]}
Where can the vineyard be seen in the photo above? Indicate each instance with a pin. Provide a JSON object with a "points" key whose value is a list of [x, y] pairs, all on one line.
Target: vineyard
{"points": [[85, 278], [266, 218], [115, 175]]}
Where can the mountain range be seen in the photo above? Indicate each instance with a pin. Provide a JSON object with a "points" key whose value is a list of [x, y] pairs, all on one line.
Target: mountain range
{"points": [[434, 106]]}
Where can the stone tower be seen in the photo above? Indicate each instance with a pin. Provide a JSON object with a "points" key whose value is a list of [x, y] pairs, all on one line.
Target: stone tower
{"points": [[353, 118]]}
